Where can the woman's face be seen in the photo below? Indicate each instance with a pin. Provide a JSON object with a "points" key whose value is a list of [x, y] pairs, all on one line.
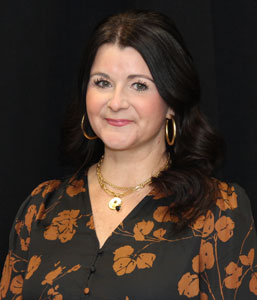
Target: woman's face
{"points": [[124, 107]]}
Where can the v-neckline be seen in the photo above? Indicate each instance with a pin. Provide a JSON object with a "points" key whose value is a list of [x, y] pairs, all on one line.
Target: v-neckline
{"points": [[129, 215]]}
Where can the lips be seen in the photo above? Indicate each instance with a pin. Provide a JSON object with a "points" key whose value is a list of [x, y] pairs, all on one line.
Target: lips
{"points": [[118, 122]]}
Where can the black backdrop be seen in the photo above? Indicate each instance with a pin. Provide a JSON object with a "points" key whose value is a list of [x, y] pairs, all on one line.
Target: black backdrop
{"points": [[41, 45]]}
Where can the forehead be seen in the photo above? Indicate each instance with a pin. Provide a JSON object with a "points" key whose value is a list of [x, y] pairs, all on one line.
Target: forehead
{"points": [[116, 59]]}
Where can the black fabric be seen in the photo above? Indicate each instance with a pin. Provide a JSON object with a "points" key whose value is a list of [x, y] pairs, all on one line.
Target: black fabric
{"points": [[54, 251]]}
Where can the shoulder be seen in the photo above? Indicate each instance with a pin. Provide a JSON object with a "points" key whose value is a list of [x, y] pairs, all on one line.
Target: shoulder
{"points": [[230, 216], [231, 213], [232, 197], [70, 185], [48, 194]]}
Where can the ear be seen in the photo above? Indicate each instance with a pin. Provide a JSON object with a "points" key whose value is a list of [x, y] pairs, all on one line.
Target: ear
{"points": [[169, 113]]}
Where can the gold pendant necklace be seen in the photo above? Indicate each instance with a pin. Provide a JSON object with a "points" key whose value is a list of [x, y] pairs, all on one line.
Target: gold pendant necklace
{"points": [[116, 202]]}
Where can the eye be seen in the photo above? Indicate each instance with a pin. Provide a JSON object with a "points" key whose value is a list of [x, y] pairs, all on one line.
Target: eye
{"points": [[102, 83], [140, 86]]}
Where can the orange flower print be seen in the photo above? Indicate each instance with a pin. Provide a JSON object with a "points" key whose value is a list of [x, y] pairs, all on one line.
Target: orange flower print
{"points": [[33, 265], [198, 224], [49, 186], [203, 296], [25, 243], [39, 188], [234, 272], [54, 294], [31, 213], [6, 276], [41, 212], [123, 263], [51, 276], [208, 224], [29, 218], [253, 283], [75, 268], [224, 186], [62, 227], [16, 285], [124, 251], [141, 229], [196, 263], [90, 223], [52, 186], [18, 226], [206, 258], [188, 285], [145, 260], [229, 197], [75, 187], [247, 260], [224, 227], [159, 233], [163, 214]]}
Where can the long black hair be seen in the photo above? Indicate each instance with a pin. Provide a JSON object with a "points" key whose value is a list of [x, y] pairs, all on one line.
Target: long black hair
{"points": [[197, 150]]}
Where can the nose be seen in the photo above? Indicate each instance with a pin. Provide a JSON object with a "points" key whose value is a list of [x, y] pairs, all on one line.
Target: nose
{"points": [[118, 100]]}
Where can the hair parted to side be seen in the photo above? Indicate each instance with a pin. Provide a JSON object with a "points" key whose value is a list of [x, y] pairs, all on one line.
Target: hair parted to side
{"points": [[197, 151]]}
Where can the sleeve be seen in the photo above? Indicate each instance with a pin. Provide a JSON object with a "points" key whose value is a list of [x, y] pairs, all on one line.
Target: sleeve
{"points": [[227, 256], [17, 260]]}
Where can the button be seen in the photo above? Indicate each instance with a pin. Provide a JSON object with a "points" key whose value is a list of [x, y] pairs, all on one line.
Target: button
{"points": [[86, 291], [100, 251], [92, 269]]}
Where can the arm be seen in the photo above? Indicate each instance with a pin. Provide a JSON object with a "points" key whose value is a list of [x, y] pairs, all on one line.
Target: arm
{"points": [[227, 257], [16, 260], [18, 265]]}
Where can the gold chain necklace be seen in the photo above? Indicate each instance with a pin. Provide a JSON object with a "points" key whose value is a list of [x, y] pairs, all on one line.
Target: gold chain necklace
{"points": [[116, 202]]}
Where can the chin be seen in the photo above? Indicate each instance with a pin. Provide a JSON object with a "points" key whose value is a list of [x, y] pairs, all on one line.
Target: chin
{"points": [[118, 144]]}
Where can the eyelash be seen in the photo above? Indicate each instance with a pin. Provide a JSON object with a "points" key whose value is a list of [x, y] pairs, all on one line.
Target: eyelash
{"points": [[97, 82], [143, 84]]}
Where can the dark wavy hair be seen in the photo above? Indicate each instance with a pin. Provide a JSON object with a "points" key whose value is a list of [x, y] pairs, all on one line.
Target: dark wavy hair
{"points": [[198, 148]]}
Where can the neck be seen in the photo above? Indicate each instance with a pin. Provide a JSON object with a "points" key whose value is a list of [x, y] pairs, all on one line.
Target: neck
{"points": [[128, 169]]}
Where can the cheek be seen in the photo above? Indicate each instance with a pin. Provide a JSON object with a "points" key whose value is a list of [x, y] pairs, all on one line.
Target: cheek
{"points": [[92, 103], [153, 107]]}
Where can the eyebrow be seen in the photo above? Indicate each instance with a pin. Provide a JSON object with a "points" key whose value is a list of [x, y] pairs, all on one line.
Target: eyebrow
{"points": [[140, 75], [129, 77], [100, 74]]}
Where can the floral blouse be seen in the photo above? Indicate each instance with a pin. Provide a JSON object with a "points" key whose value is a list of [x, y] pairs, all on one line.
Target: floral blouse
{"points": [[54, 251]]}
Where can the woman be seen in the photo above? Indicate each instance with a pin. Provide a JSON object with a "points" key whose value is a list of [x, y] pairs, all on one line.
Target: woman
{"points": [[142, 218]]}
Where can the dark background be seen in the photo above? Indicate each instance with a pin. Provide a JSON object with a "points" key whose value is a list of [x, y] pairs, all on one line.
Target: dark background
{"points": [[41, 46]]}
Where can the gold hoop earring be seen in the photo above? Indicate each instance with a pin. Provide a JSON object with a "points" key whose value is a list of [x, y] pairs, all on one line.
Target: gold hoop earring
{"points": [[84, 132], [171, 142]]}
